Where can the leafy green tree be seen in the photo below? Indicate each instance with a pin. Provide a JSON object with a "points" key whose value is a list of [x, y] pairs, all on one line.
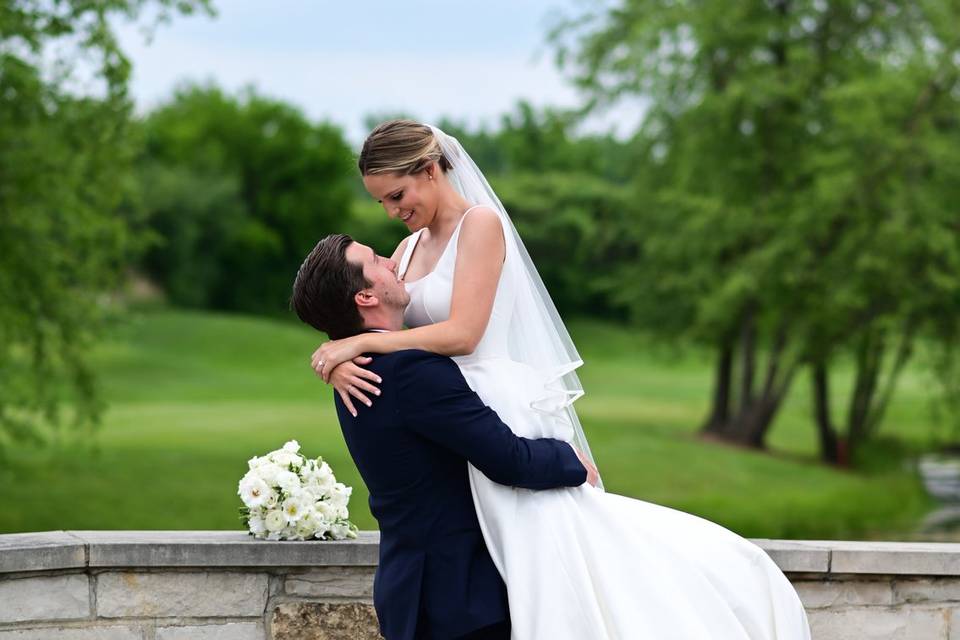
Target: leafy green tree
{"points": [[238, 190], [798, 189], [565, 192], [569, 222], [528, 139], [65, 157]]}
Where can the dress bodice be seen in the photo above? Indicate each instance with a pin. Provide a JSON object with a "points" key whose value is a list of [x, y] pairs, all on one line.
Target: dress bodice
{"points": [[432, 295]]}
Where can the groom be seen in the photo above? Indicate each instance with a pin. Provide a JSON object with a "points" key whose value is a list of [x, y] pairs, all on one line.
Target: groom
{"points": [[435, 579]]}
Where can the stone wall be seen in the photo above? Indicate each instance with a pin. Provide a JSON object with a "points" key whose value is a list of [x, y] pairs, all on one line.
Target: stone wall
{"points": [[224, 585]]}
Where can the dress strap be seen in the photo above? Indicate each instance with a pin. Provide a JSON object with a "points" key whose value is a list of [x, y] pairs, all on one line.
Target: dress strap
{"points": [[407, 252], [415, 237], [456, 230]]}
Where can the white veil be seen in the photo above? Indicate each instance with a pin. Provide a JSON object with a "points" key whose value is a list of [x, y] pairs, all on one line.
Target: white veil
{"points": [[537, 335]]}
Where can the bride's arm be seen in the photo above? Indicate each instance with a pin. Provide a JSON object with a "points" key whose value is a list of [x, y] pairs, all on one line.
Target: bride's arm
{"points": [[480, 255]]}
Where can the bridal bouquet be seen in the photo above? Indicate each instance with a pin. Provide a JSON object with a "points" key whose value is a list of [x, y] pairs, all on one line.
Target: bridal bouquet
{"points": [[288, 497]]}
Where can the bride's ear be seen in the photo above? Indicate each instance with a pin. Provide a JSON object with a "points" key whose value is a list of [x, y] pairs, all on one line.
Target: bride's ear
{"points": [[365, 298]]}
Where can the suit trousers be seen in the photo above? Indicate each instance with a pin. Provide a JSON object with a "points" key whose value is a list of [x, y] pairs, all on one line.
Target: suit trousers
{"points": [[498, 631]]}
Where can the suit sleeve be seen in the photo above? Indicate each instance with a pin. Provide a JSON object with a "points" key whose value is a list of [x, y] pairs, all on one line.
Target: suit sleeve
{"points": [[436, 402]]}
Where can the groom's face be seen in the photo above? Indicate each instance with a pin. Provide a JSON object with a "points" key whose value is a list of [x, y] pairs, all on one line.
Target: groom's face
{"points": [[381, 273]]}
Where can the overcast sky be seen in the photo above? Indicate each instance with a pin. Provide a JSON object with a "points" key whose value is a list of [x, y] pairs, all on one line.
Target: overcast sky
{"points": [[342, 61]]}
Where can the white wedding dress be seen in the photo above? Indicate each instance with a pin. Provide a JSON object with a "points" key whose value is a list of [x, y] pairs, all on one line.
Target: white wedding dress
{"points": [[583, 564]]}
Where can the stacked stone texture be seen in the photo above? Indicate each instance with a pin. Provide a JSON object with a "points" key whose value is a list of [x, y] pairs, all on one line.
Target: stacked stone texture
{"points": [[222, 585]]}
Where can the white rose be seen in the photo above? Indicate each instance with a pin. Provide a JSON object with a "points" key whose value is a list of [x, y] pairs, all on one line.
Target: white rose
{"points": [[310, 490], [257, 526], [327, 510], [269, 472], [340, 494], [288, 481], [324, 470], [321, 485], [320, 527], [310, 523], [292, 446], [275, 521], [325, 485], [272, 500], [284, 459], [297, 490], [260, 463]]}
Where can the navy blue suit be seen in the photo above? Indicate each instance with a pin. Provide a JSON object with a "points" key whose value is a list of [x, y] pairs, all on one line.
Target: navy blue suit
{"points": [[436, 579]]}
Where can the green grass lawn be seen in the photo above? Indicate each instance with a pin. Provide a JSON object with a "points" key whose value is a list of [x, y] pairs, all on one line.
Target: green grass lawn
{"points": [[193, 396]]}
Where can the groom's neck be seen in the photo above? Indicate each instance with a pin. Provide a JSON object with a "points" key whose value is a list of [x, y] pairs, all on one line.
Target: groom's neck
{"points": [[382, 322]]}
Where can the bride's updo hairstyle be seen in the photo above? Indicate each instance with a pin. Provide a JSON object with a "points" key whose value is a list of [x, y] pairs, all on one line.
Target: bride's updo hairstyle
{"points": [[403, 147]]}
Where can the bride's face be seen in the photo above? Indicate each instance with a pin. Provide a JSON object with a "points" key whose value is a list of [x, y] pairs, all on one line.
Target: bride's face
{"points": [[410, 199]]}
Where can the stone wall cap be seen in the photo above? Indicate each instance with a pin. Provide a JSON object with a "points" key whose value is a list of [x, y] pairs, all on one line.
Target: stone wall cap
{"points": [[107, 548], [41, 550], [52, 550], [894, 558]]}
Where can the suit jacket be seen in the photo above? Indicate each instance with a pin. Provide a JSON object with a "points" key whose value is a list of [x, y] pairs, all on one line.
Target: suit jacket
{"points": [[435, 578]]}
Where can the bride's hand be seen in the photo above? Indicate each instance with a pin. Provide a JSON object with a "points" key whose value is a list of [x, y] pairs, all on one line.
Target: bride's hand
{"points": [[352, 380], [592, 474], [332, 353]]}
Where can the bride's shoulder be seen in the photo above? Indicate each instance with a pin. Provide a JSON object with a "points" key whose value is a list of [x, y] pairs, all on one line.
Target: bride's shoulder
{"points": [[482, 220], [481, 230]]}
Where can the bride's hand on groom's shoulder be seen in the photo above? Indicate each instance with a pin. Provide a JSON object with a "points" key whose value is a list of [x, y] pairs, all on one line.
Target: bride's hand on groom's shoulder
{"points": [[351, 381]]}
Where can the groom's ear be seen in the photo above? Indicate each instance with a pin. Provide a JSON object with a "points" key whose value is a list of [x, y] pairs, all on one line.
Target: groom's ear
{"points": [[365, 298]]}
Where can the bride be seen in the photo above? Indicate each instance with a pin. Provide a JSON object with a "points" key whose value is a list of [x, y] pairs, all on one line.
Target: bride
{"points": [[579, 563]]}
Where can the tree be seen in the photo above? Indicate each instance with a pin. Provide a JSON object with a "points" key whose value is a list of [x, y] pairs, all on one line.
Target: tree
{"points": [[238, 190], [568, 222], [801, 163], [532, 140], [64, 161], [566, 195]]}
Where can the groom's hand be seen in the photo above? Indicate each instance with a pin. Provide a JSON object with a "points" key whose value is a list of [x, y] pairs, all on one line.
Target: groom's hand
{"points": [[592, 474]]}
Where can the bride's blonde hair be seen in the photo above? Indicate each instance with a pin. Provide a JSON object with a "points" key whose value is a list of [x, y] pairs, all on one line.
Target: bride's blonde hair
{"points": [[400, 146]]}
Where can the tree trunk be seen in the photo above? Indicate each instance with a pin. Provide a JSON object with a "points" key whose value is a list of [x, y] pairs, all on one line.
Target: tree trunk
{"points": [[766, 410], [821, 411], [869, 357], [748, 342], [868, 402], [754, 412], [765, 406], [878, 408], [720, 409]]}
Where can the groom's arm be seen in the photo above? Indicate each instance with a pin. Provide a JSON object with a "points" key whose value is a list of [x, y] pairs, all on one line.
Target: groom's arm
{"points": [[435, 401]]}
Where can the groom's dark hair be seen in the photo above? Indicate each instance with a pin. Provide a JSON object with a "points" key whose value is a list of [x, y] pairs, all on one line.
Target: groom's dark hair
{"points": [[324, 288]]}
